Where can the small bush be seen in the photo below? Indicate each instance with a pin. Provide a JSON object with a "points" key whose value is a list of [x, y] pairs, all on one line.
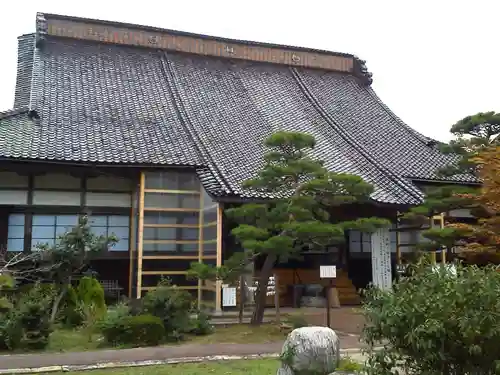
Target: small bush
{"points": [[201, 325], [6, 284], [436, 322], [70, 315], [113, 316], [347, 365], [11, 331], [84, 300], [172, 305], [140, 330], [90, 291], [33, 312]]}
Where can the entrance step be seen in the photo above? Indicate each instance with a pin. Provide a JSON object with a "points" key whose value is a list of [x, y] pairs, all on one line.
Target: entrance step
{"points": [[347, 293]]}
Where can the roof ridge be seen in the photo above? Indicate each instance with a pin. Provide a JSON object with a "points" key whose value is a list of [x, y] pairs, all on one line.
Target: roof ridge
{"points": [[119, 33], [13, 112], [42, 18]]}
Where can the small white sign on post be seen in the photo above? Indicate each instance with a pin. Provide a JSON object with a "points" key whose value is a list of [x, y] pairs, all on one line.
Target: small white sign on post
{"points": [[229, 297], [327, 272]]}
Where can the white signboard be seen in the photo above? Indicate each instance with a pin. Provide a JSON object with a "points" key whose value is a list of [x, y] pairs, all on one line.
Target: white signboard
{"points": [[381, 259], [229, 297], [327, 272]]}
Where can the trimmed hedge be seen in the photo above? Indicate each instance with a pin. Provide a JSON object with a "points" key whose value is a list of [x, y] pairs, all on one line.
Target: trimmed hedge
{"points": [[140, 330]]}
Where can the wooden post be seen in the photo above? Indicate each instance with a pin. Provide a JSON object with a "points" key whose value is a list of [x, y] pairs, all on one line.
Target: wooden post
{"points": [[200, 244], [140, 235], [242, 300], [218, 284], [277, 298], [328, 302], [131, 242], [433, 257]]}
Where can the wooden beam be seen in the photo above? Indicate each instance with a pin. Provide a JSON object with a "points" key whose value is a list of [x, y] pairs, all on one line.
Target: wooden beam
{"points": [[181, 242], [218, 288], [210, 224], [131, 245], [193, 226], [168, 191], [160, 209], [140, 234], [398, 242], [173, 257], [195, 287], [144, 273]]}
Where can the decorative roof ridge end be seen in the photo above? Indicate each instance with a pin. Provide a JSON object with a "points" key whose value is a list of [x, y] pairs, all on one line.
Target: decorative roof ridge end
{"points": [[41, 29], [361, 71]]}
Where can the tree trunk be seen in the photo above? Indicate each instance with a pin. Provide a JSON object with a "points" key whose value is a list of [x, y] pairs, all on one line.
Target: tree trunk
{"points": [[57, 302], [260, 298]]}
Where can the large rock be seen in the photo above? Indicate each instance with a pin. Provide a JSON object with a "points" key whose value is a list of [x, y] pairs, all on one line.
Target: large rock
{"points": [[310, 350]]}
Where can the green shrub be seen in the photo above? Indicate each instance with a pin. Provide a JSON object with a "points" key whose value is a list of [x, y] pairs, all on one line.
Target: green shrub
{"points": [[172, 305], [140, 330], [90, 291], [113, 316], [6, 284], [200, 325], [87, 299], [11, 331], [348, 365], [70, 315], [436, 322], [33, 311]]}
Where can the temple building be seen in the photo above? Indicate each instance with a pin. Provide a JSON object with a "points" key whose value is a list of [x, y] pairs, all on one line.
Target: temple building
{"points": [[153, 131]]}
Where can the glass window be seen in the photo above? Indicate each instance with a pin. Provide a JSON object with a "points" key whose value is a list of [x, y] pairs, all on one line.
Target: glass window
{"points": [[172, 180], [177, 234], [172, 247], [106, 225], [165, 218], [47, 228], [15, 234], [171, 200]]}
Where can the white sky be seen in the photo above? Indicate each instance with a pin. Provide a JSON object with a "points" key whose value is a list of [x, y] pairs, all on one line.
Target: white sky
{"points": [[433, 62]]}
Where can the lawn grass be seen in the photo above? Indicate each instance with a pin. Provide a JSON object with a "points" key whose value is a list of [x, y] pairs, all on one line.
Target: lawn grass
{"points": [[65, 340], [241, 367], [242, 334], [266, 366]]}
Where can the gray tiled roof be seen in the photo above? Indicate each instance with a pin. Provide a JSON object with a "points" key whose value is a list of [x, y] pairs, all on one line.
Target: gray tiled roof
{"points": [[114, 104], [100, 104]]}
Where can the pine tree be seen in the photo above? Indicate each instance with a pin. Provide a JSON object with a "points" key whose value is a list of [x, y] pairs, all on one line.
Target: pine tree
{"points": [[297, 214], [476, 141]]}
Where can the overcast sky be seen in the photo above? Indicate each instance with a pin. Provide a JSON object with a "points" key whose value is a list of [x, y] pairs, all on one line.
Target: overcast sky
{"points": [[433, 62]]}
